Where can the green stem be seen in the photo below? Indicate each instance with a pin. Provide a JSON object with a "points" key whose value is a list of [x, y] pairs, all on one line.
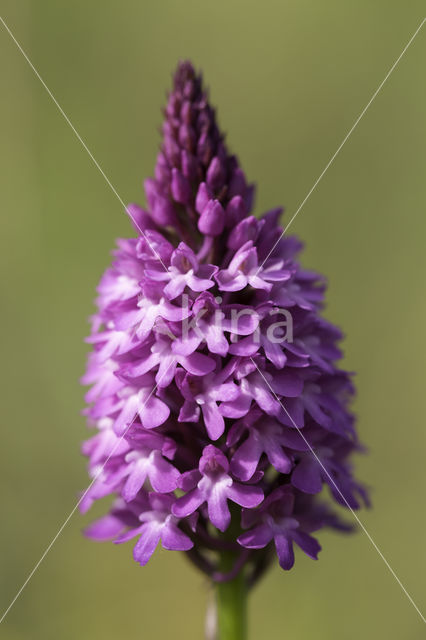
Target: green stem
{"points": [[231, 603]]}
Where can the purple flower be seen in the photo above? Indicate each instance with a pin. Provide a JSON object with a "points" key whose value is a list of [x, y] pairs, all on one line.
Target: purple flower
{"points": [[101, 445], [265, 436], [208, 330], [135, 402], [184, 271], [201, 396], [148, 463], [158, 524], [211, 322], [159, 355], [213, 484], [244, 270], [275, 521]]}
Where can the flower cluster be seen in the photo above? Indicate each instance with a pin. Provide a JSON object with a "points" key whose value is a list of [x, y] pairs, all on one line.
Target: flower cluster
{"points": [[210, 434]]}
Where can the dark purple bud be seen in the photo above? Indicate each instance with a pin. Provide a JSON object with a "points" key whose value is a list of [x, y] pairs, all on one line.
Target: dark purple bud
{"points": [[172, 106], [169, 127], [247, 229], [162, 170], [212, 219], [187, 137], [205, 148], [141, 219], [235, 211], [172, 150], [204, 121], [180, 187], [237, 186], [162, 210], [186, 112], [189, 165], [204, 194], [249, 197], [150, 191], [215, 175], [189, 90]]}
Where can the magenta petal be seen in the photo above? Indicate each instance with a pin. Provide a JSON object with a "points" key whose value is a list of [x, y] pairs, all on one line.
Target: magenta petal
{"points": [[105, 528], [288, 384], [292, 413], [173, 539], [175, 287], [126, 416], [230, 282], [246, 495], [166, 371], [198, 364], [215, 424], [190, 412], [163, 475], [216, 341], [245, 460], [275, 354], [186, 345], [218, 509], [135, 481], [236, 408], [307, 543], [128, 535], [145, 547], [189, 480], [153, 413], [263, 397], [278, 458], [316, 412], [284, 547], [244, 347], [256, 538], [307, 476], [173, 313], [142, 367], [188, 503], [199, 284], [244, 320]]}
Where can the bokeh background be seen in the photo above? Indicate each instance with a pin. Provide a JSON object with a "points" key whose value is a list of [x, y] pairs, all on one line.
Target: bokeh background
{"points": [[290, 78]]}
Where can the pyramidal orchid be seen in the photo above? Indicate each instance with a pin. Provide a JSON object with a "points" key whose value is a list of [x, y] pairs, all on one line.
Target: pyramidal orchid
{"points": [[220, 415]]}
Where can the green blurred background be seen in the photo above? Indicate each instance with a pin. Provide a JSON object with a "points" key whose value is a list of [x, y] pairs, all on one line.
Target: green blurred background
{"points": [[290, 78]]}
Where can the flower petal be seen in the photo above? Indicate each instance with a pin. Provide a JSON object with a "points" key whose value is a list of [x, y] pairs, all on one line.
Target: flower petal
{"points": [[284, 547], [256, 538], [246, 495], [145, 547], [188, 503]]}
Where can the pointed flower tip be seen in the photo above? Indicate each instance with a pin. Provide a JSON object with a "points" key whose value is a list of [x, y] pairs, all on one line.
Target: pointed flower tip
{"points": [[194, 168], [185, 71]]}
